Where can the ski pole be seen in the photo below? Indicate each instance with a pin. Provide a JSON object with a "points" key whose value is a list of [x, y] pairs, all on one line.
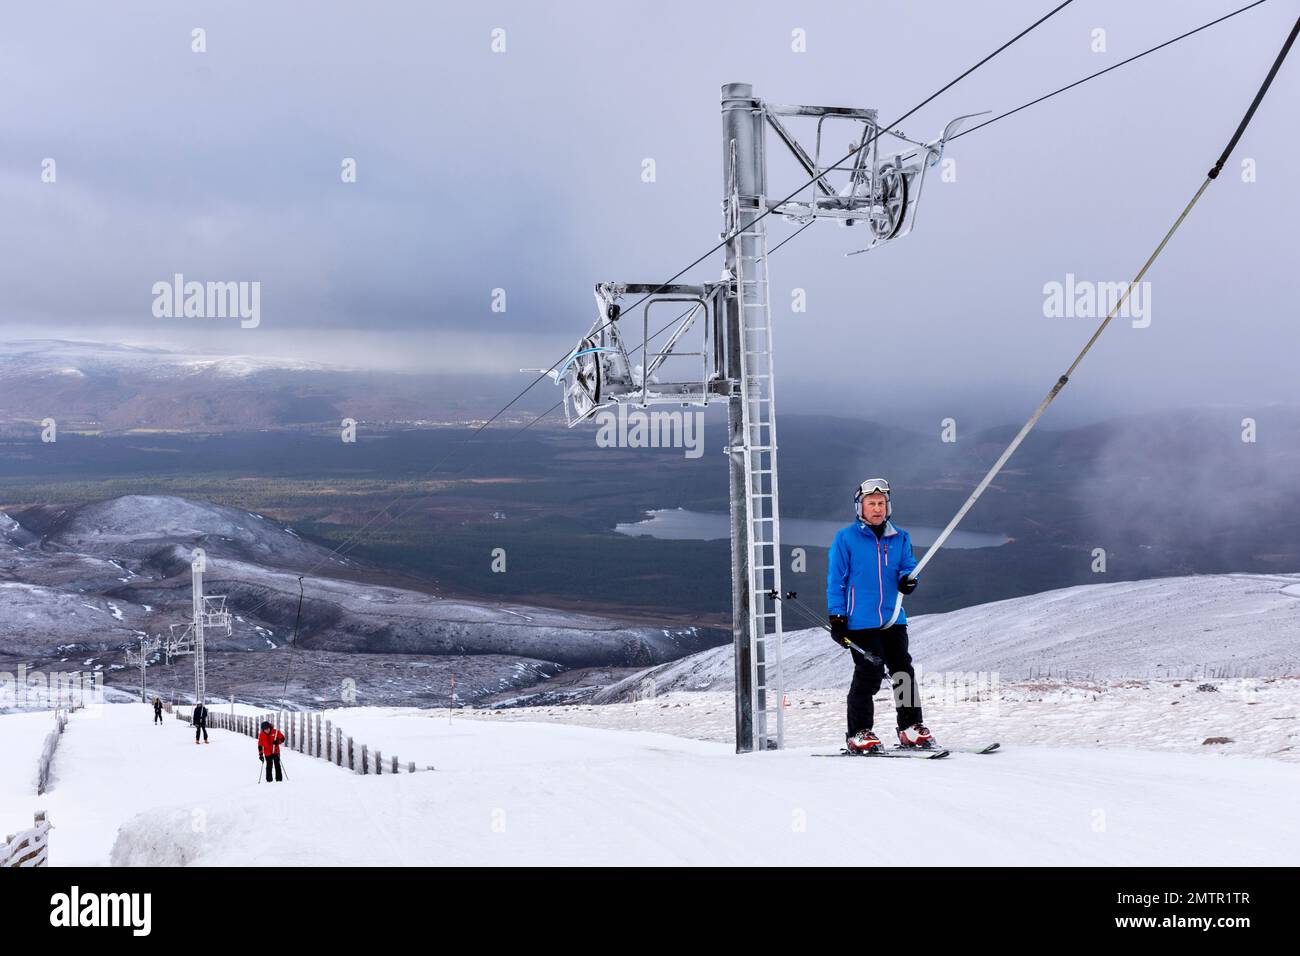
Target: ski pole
{"points": [[826, 627]]}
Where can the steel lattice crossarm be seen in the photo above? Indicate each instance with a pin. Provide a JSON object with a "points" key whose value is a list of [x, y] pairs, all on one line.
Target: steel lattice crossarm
{"points": [[881, 190], [602, 371]]}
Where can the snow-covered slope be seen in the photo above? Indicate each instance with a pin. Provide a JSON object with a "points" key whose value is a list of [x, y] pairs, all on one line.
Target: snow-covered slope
{"points": [[81, 583], [519, 793], [1213, 625], [138, 525], [22, 737]]}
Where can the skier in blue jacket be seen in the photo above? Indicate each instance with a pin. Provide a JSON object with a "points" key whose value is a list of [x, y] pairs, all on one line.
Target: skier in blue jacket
{"points": [[868, 566]]}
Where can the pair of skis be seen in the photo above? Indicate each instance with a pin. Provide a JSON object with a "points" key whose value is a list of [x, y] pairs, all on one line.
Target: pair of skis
{"points": [[933, 752]]}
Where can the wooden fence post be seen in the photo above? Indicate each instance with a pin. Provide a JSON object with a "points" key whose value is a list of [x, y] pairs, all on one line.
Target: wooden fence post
{"points": [[329, 742], [410, 767], [319, 750], [379, 762], [338, 746], [365, 762], [394, 764], [351, 763]]}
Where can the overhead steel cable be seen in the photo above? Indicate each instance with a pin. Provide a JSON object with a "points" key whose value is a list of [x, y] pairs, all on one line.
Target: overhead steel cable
{"points": [[1065, 377], [1093, 76], [863, 145], [1033, 102], [347, 544]]}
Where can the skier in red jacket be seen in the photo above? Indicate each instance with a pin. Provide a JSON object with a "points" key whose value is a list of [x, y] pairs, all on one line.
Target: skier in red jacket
{"points": [[268, 749]]}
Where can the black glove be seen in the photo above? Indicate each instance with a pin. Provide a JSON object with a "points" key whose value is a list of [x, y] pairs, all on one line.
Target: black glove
{"points": [[840, 629], [261, 759], [907, 585]]}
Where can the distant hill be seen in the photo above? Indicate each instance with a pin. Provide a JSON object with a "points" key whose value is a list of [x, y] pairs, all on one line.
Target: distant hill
{"points": [[1213, 625], [115, 387], [79, 584]]}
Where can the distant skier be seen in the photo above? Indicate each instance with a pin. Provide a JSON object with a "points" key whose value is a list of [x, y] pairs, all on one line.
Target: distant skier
{"points": [[157, 711], [867, 568], [200, 723], [268, 749]]}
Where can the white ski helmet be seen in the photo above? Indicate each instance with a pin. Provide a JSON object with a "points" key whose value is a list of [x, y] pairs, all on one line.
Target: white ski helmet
{"points": [[870, 486]]}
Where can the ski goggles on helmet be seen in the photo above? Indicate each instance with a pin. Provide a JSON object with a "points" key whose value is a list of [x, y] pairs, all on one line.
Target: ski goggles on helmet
{"points": [[870, 487]]}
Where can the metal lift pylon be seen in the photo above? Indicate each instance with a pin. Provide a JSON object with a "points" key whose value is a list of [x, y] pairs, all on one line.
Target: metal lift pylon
{"points": [[734, 357], [207, 611]]}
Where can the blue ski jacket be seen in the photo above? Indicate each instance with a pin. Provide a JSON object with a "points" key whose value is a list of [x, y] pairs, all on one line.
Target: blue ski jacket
{"points": [[863, 572]]}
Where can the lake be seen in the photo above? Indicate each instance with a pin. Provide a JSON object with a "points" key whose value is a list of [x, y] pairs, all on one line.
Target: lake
{"points": [[678, 524]]}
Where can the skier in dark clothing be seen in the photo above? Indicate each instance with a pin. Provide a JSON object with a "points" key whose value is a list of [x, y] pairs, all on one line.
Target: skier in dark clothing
{"points": [[868, 567], [268, 749], [200, 723], [157, 711]]}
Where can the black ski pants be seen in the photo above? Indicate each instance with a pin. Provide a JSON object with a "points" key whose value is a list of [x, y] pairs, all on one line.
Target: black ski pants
{"points": [[200, 728], [888, 652], [273, 759], [157, 716]]}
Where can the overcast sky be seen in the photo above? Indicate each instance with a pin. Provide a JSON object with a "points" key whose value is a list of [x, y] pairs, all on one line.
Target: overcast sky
{"points": [[522, 170]]}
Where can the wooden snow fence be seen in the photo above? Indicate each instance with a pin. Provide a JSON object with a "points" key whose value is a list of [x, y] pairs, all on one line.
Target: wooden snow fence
{"points": [[28, 848], [313, 736], [47, 751]]}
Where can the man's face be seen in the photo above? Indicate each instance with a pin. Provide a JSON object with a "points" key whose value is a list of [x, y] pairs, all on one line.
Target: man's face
{"points": [[873, 507]]}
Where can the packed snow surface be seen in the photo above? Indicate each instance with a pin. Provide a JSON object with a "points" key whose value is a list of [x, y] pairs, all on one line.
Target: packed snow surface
{"points": [[126, 792]]}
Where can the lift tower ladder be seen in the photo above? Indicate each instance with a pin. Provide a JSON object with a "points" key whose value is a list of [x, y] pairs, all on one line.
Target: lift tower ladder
{"points": [[752, 446]]}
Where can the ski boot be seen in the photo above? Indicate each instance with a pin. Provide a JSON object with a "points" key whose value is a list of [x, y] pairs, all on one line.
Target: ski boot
{"points": [[863, 742], [916, 737]]}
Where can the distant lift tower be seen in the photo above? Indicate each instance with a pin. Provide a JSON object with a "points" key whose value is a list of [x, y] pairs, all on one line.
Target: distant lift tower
{"points": [[207, 612], [149, 646], [732, 322]]}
